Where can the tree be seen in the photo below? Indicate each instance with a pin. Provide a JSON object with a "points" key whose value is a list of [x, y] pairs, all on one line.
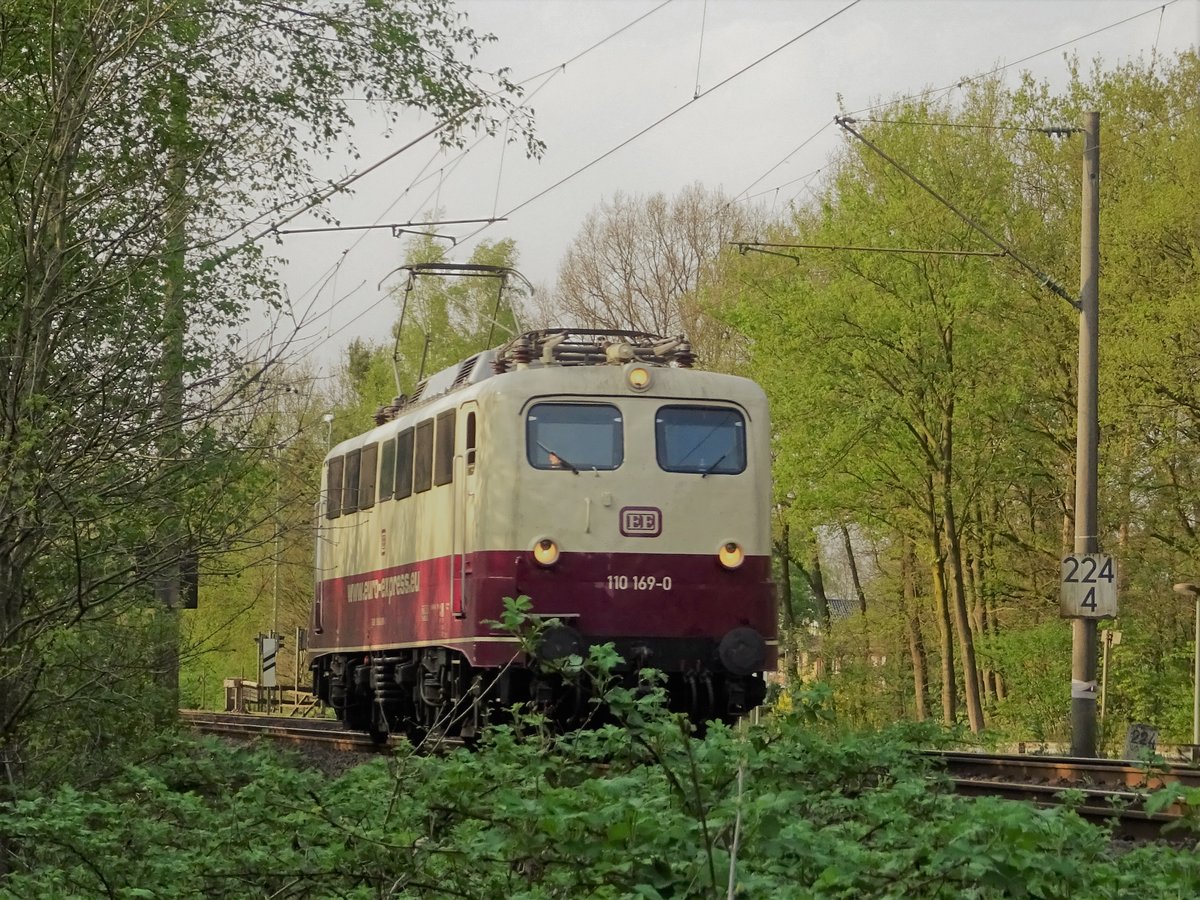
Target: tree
{"points": [[908, 358], [929, 400], [262, 579], [644, 263], [140, 145]]}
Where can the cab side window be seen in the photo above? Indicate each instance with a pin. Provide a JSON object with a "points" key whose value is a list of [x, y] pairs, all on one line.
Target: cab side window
{"points": [[423, 466], [366, 476], [387, 470], [443, 461], [404, 464], [470, 448], [333, 488], [350, 481]]}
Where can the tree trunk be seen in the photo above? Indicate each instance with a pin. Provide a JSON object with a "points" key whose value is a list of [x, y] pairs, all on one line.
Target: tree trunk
{"points": [[942, 606], [28, 347], [977, 573], [816, 585], [975, 612], [816, 581], [855, 580], [848, 546], [962, 619], [916, 643], [982, 621], [988, 555]]}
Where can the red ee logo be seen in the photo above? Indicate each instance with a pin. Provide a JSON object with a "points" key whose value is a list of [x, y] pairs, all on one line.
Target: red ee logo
{"points": [[641, 521]]}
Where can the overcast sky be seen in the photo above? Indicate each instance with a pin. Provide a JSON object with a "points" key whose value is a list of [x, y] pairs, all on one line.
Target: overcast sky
{"points": [[741, 134]]}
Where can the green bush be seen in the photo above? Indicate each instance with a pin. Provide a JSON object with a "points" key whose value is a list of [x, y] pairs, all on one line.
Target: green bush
{"points": [[644, 809], [648, 811]]}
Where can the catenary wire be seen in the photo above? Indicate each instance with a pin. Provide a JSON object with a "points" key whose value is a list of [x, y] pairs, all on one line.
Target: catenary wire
{"points": [[418, 179], [599, 43], [560, 67], [670, 115], [804, 143], [552, 72], [968, 80], [779, 187], [961, 82]]}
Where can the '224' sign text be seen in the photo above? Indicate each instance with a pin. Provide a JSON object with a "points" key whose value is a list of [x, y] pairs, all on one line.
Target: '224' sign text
{"points": [[1088, 586]]}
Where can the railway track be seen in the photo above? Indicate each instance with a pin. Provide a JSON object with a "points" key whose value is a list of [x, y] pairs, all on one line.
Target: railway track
{"points": [[321, 733], [311, 734], [1112, 792]]}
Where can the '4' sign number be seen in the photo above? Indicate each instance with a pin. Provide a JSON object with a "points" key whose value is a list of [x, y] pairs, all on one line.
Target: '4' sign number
{"points": [[1088, 587]]}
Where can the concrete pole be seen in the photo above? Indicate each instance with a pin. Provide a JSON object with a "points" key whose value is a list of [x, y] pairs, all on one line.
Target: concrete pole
{"points": [[1084, 728], [275, 554]]}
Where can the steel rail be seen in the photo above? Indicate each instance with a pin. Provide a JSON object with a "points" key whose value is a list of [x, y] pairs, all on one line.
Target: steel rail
{"points": [[1108, 793], [323, 732], [1065, 770], [1122, 811], [1105, 792]]}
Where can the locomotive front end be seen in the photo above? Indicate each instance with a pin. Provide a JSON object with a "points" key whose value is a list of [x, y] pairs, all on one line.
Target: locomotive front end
{"points": [[636, 512]]}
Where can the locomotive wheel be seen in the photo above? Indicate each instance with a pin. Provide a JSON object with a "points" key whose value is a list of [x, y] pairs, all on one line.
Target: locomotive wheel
{"points": [[357, 716], [377, 728]]}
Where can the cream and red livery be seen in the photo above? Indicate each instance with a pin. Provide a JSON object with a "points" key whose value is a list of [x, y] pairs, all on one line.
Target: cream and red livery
{"points": [[593, 471]]}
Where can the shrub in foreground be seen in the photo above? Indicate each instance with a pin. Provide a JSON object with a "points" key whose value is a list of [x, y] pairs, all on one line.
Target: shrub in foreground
{"points": [[645, 810]]}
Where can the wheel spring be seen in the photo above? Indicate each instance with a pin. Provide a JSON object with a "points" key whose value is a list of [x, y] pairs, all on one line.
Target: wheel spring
{"points": [[383, 679]]}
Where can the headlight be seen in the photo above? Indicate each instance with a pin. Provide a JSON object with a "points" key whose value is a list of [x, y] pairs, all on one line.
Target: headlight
{"points": [[545, 552], [638, 377], [731, 555]]}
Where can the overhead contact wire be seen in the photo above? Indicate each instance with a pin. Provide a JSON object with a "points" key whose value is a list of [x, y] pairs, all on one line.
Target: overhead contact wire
{"points": [[604, 40], [418, 178], [1045, 280], [804, 143], [678, 110], [973, 78]]}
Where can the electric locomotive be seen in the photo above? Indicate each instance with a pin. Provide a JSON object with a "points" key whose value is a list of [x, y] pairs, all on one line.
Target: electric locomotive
{"points": [[594, 471]]}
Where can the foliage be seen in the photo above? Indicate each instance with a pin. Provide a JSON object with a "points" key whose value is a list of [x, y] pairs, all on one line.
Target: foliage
{"points": [[144, 145], [1036, 663], [927, 400], [646, 810], [639, 807], [262, 578]]}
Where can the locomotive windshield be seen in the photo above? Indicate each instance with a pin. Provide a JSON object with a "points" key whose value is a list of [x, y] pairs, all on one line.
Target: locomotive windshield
{"points": [[574, 436], [703, 439]]}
